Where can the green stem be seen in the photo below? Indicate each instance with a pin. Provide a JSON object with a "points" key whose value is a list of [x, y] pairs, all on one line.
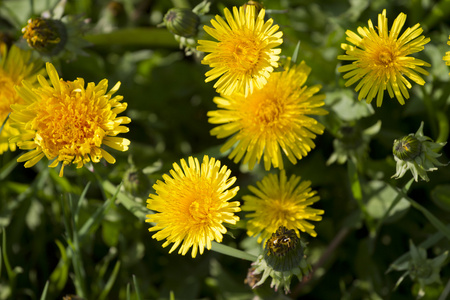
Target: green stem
{"points": [[151, 37], [394, 203], [227, 250], [443, 127], [358, 196]]}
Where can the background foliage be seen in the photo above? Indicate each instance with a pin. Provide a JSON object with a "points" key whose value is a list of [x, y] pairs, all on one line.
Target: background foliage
{"points": [[84, 234]]}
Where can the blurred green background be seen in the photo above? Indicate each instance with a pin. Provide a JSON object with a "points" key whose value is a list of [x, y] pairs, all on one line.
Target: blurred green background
{"points": [[115, 256]]}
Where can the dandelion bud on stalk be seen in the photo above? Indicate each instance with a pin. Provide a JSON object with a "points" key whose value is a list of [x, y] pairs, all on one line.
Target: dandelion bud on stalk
{"points": [[283, 258], [47, 36], [417, 153], [182, 21], [407, 148]]}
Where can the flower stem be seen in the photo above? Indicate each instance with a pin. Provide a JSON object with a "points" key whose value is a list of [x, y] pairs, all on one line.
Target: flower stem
{"points": [[233, 252], [358, 196], [394, 203]]}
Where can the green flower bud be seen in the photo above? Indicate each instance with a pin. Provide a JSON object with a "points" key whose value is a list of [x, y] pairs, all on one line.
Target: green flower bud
{"points": [[135, 182], [283, 258], [47, 36], [417, 153], [182, 22], [258, 5], [407, 148]]}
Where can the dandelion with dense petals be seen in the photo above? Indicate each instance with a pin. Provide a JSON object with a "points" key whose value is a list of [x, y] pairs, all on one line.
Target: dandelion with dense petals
{"points": [[382, 61], [67, 122], [272, 120], [193, 204], [279, 202], [15, 66], [244, 56]]}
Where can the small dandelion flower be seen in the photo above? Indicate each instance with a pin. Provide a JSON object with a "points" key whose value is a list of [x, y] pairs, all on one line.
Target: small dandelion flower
{"points": [[15, 65], [67, 122], [271, 121], [245, 54], [416, 152], [446, 57], [382, 60], [193, 204], [279, 202]]}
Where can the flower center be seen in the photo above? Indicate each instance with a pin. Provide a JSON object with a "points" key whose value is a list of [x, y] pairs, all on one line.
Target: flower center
{"points": [[269, 112], [385, 58], [200, 213], [69, 126]]}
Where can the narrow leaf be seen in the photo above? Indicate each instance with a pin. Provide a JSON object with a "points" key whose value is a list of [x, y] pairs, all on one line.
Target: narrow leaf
{"points": [[44, 292], [295, 54], [227, 250], [136, 288], [110, 282]]}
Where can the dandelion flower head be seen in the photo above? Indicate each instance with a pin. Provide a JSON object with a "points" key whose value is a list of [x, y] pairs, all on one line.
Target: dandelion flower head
{"points": [[245, 54], [273, 120], [15, 65], [381, 60], [277, 202], [67, 122], [192, 204]]}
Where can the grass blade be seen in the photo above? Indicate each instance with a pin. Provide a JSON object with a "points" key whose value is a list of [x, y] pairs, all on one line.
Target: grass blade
{"points": [[136, 288], [97, 217], [44, 292], [110, 282], [137, 209]]}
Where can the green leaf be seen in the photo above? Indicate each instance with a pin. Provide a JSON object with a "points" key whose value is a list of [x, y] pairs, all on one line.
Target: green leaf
{"points": [[44, 292], [384, 201], [441, 196], [295, 54], [154, 37], [428, 243], [433, 220], [136, 288], [98, 216], [110, 281], [344, 103], [227, 250], [9, 271], [8, 168], [137, 209], [58, 278], [111, 232]]}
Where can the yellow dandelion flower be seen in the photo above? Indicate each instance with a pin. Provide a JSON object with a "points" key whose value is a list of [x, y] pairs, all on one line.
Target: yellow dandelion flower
{"points": [[279, 202], [67, 122], [193, 204], [244, 56], [446, 58], [381, 60], [15, 65], [272, 120]]}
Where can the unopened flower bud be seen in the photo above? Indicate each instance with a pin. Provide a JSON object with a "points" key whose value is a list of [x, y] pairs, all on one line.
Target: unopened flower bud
{"points": [[258, 5], [135, 182], [47, 36], [182, 22], [417, 153], [407, 148], [283, 258]]}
